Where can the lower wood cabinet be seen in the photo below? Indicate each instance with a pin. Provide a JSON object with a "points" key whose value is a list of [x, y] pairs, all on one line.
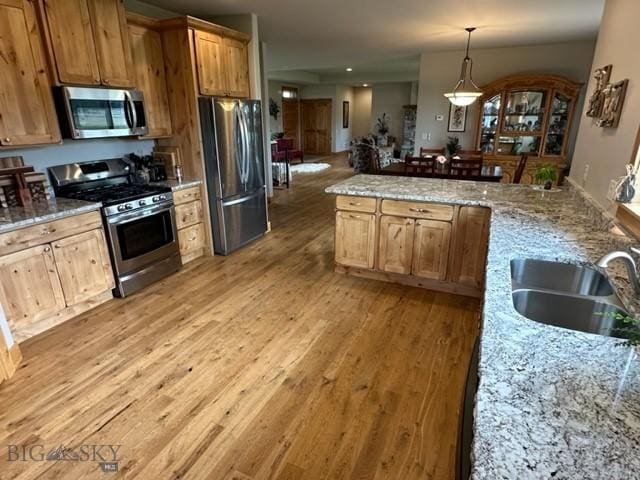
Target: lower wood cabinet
{"points": [[46, 284], [192, 235], [437, 246], [355, 242]]}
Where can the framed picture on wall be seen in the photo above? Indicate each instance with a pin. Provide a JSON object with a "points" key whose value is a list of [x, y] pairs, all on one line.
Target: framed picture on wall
{"points": [[457, 118], [345, 114]]}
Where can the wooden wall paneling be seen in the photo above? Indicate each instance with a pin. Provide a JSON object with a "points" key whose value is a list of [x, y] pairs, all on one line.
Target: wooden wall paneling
{"points": [[26, 104]]}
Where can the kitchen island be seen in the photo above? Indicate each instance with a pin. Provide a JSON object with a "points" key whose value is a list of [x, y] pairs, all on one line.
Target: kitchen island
{"points": [[551, 402]]}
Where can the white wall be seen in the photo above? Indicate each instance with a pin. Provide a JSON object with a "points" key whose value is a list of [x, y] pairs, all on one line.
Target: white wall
{"points": [[439, 72], [389, 98], [606, 150], [361, 111]]}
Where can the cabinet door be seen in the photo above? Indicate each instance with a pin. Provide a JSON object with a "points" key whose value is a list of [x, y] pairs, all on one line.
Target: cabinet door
{"points": [[148, 67], [27, 114], [111, 37], [72, 44], [83, 265], [431, 249], [29, 286], [191, 239], [210, 63], [395, 250], [355, 239], [470, 252], [236, 68]]}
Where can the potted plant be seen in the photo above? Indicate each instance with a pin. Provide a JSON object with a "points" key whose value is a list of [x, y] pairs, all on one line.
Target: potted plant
{"points": [[274, 109], [546, 174], [382, 126], [628, 327], [453, 145], [277, 135]]}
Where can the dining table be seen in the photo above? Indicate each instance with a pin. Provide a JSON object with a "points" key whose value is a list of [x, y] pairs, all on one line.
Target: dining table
{"points": [[489, 173]]}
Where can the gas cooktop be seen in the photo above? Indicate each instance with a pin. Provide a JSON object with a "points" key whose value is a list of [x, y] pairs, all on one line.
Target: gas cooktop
{"points": [[114, 194]]}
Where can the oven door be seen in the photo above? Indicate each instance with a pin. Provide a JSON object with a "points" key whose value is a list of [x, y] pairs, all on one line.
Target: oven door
{"points": [[102, 112], [143, 237]]}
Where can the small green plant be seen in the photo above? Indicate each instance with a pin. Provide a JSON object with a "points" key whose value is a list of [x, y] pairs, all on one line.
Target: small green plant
{"points": [[274, 109], [453, 145], [277, 135], [546, 173], [631, 329], [382, 125]]}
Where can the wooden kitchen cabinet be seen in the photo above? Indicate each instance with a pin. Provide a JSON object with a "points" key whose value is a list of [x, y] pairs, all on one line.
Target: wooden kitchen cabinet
{"points": [[88, 41], [148, 68], [395, 251], [470, 248], [355, 239], [210, 63], [431, 249], [83, 265], [26, 104], [188, 214], [192, 236], [30, 288], [222, 65]]}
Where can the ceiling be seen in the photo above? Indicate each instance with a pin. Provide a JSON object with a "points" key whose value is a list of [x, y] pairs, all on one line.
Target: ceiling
{"points": [[329, 35]]}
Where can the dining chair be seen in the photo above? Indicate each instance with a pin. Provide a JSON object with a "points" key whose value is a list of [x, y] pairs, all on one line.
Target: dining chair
{"points": [[466, 166], [287, 145], [522, 163], [419, 166]]}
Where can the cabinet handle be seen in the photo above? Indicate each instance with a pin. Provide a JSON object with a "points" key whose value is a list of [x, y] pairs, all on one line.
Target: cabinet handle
{"points": [[419, 210], [355, 204], [57, 246], [47, 249], [7, 140], [193, 239], [105, 81], [354, 216]]}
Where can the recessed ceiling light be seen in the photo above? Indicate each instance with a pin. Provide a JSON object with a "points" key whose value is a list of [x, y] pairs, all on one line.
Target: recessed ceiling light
{"points": [[349, 69], [365, 84]]}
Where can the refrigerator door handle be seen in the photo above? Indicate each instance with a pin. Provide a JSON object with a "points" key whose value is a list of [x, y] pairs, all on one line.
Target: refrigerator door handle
{"points": [[240, 154], [236, 201], [246, 147]]}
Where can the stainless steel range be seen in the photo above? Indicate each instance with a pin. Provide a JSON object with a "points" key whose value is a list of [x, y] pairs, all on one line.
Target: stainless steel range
{"points": [[139, 219]]}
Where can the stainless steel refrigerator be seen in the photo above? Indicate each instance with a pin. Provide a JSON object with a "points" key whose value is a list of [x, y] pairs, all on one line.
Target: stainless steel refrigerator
{"points": [[234, 162]]}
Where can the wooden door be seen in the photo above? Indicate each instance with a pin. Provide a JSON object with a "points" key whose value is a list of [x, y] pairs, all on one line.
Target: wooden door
{"points": [[291, 120], [72, 41], [27, 113], [148, 67], [316, 121], [355, 239], [210, 63], [111, 38], [469, 256], [30, 289], [83, 265], [236, 68], [395, 249], [431, 249]]}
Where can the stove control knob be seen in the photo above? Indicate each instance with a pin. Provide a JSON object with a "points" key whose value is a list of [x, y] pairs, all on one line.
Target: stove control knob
{"points": [[128, 206], [121, 208], [142, 203], [163, 197], [155, 199]]}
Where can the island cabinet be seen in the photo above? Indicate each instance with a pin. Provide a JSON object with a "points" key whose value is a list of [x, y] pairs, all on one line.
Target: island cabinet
{"points": [[88, 42], [52, 272], [27, 113], [437, 246]]}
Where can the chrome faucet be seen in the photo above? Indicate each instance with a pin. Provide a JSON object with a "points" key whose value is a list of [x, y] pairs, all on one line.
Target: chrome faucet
{"points": [[632, 269]]}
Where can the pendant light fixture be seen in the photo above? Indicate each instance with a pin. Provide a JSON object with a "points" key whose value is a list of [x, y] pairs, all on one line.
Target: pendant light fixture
{"points": [[465, 92]]}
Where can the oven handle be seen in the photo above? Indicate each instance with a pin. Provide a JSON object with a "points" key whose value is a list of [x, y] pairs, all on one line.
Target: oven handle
{"points": [[132, 108], [127, 217]]}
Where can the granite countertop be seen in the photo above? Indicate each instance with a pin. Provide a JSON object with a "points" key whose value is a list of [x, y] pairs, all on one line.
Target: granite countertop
{"points": [[551, 403], [176, 185], [13, 218]]}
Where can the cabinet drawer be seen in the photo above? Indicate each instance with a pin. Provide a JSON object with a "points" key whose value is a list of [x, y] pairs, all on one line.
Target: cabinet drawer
{"points": [[433, 211], [22, 238], [191, 239], [186, 195], [188, 214], [356, 204]]}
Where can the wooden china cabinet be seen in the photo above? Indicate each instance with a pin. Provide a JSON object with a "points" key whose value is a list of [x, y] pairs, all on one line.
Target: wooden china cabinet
{"points": [[529, 114]]}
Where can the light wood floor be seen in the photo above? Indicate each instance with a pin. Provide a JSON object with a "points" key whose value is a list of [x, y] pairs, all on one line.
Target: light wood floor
{"points": [[263, 364]]}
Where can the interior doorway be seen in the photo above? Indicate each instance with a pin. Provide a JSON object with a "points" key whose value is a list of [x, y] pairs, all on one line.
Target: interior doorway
{"points": [[316, 126], [291, 114]]}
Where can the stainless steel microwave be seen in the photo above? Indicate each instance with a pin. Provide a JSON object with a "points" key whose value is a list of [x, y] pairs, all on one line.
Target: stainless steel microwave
{"points": [[101, 112]]}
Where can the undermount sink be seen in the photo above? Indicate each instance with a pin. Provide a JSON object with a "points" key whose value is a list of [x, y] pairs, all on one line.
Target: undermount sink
{"points": [[561, 277], [573, 312], [569, 296]]}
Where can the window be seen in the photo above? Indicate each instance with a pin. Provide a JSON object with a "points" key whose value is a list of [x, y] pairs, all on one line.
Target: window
{"points": [[289, 92]]}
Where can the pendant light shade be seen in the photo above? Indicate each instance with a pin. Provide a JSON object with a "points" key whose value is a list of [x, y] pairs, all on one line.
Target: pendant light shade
{"points": [[466, 91]]}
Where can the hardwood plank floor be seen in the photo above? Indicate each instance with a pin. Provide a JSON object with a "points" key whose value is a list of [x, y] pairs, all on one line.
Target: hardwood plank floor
{"points": [[261, 365]]}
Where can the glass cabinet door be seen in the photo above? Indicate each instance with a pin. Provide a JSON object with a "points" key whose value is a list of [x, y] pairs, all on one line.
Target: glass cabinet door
{"points": [[516, 145], [489, 124], [558, 122], [524, 112]]}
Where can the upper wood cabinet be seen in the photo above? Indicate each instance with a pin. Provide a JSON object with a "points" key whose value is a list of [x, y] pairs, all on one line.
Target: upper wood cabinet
{"points": [[27, 113], [355, 239], [88, 41], [222, 65], [148, 68]]}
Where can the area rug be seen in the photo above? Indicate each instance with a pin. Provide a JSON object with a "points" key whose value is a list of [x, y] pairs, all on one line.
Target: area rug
{"points": [[309, 167]]}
